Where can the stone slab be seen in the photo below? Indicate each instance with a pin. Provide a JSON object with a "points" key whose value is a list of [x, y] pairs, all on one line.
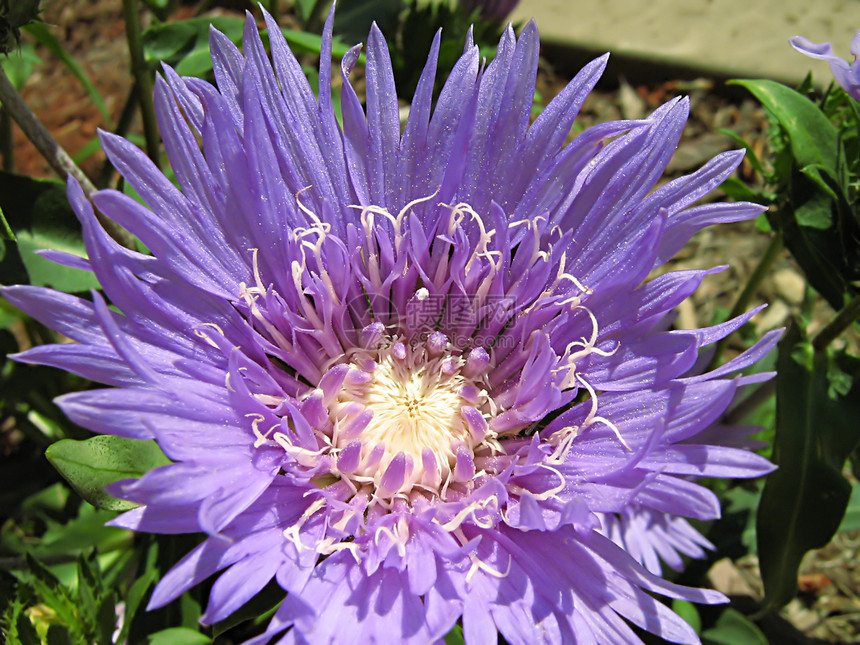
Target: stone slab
{"points": [[729, 38]]}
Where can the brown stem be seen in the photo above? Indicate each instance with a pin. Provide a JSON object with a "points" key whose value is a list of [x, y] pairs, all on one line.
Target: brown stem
{"points": [[48, 147]]}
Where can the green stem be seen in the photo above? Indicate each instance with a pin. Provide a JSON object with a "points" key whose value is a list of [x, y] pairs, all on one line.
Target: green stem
{"points": [[774, 248], [122, 127], [751, 403], [843, 320], [6, 145], [142, 78], [314, 20]]}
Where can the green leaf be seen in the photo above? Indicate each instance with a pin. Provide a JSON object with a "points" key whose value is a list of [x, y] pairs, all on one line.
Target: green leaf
{"points": [[814, 139], [751, 155], [59, 635], [826, 181], [733, 628], [88, 588], [851, 519], [138, 589], [455, 636], [688, 612], [264, 603], [92, 464], [184, 44], [19, 65], [54, 593], [354, 17], [306, 42], [804, 501], [44, 273], [178, 636], [81, 534], [305, 9], [26, 632], [42, 34], [740, 191], [106, 620], [39, 214]]}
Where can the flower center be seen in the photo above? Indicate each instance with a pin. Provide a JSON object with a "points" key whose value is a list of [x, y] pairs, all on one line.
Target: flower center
{"points": [[410, 417], [415, 407]]}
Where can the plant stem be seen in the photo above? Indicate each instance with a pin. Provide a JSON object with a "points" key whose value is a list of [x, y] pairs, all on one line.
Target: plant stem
{"points": [[314, 20], [843, 320], [142, 78], [774, 248], [19, 563], [751, 403], [6, 144], [47, 146], [122, 127], [59, 159]]}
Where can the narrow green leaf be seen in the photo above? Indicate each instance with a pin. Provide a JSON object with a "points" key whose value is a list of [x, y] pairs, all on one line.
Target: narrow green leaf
{"points": [[59, 635], [106, 620], [88, 589], [733, 628], [92, 464], [42, 34], [53, 592], [27, 634], [751, 155], [178, 636], [138, 589], [804, 501], [814, 139], [6, 231], [825, 181]]}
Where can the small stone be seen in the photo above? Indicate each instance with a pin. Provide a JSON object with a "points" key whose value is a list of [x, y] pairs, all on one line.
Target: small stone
{"points": [[728, 579], [631, 104], [687, 318], [790, 285], [772, 317]]}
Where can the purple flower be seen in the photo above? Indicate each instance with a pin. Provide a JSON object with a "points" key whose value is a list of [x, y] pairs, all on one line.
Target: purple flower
{"points": [[406, 373], [846, 74]]}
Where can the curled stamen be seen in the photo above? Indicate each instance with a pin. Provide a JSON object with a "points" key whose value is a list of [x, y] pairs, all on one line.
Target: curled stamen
{"points": [[293, 534], [592, 418], [477, 564]]}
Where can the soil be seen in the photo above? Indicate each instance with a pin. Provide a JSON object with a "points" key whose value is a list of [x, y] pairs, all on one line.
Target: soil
{"points": [[93, 33]]}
